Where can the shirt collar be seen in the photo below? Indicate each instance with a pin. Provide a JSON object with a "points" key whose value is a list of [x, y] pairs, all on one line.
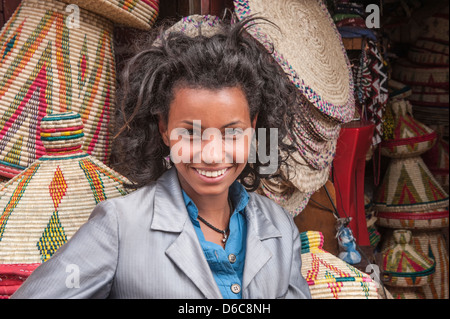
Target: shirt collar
{"points": [[238, 195]]}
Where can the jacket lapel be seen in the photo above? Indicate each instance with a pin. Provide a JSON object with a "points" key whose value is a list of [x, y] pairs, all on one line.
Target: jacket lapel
{"points": [[170, 215], [259, 228]]}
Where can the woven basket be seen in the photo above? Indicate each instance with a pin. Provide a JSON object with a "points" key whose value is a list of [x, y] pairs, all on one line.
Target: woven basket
{"points": [[437, 160], [403, 265], [432, 46], [425, 96], [406, 293], [429, 243], [410, 137], [413, 74], [409, 186], [304, 26], [429, 58], [329, 277], [436, 27], [140, 14], [48, 67], [42, 207]]}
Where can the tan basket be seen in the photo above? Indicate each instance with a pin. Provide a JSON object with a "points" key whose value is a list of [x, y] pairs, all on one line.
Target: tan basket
{"points": [[49, 66]]}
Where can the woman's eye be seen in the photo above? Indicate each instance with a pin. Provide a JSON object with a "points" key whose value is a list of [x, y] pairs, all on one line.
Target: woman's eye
{"points": [[234, 132]]}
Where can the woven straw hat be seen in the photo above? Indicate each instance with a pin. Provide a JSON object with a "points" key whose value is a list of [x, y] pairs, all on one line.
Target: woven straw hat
{"points": [[329, 277], [48, 66], [410, 137], [308, 47], [405, 266], [140, 14], [409, 186], [42, 207]]}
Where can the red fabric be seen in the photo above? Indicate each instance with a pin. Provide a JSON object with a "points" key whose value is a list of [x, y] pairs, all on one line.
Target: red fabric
{"points": [[12, 277]]}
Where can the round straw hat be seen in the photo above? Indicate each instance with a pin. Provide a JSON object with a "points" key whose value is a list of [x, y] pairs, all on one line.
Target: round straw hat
{"points": [[140, 14], [409, 137], [43, 206], [307, 45], [403, 265], [48, 66], [328, 276], [409, 186]]}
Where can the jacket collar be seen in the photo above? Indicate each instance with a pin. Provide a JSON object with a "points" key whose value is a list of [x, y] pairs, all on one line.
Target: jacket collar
{"points": [[170, 215]]}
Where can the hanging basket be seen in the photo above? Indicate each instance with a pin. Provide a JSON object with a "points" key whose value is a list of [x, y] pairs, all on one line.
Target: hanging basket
{"points": [[46, 66], [329, 277]]}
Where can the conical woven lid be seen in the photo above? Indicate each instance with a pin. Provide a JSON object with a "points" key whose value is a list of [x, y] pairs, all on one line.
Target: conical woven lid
{"points": [[46, 66], [409, 137], [409, 186], [308, 47], [140, 14], [42, 207], [328, 276], [403, 265]]}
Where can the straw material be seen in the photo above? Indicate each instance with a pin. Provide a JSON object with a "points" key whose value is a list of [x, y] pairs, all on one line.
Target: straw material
{"points": [[426, 96], [432, 219], [432, 46], [437, 160], [429, 243], [436, 27], [329, 277], [305, 27], [42, 207], [403, 265], [412, 74], [409, 136], [409, 186], [47, 66], [140, 14], [285, 194], [425, 57], [406, 293]]}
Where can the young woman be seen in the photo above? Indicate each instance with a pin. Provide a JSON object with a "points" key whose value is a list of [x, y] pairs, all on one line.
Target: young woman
{"points": [[192, 228]]}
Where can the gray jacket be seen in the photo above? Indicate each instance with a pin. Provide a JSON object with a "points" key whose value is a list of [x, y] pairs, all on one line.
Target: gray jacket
{"points": [[143, 245]]}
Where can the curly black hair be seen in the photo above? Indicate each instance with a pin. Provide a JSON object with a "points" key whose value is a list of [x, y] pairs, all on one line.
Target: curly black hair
{"points": [[230, 58]]}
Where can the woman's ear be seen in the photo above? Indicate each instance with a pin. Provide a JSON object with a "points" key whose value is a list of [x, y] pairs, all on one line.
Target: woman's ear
{"points": [[162, 127]]}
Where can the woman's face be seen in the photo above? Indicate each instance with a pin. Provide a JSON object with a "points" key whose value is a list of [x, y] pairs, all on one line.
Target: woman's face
{"points": [[209, 134]]}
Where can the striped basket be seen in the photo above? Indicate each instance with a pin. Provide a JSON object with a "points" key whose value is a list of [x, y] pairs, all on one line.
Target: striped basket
{"points": [[329, 277], [406, 293], [431, 46], [413, 74], [436, 27], [403, 265], [140, 14], [426, 96], [429, 243], [409, 137], [48, 65], [409, 186], [437, 160], [43, 206], [426, 57]]}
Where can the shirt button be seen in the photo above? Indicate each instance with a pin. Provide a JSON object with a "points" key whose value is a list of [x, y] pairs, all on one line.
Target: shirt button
{"points": [[232, 258], [235, 288]]}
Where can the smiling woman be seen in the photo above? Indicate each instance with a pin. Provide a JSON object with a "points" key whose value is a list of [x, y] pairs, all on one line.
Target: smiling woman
{"points": [[192, 101]]}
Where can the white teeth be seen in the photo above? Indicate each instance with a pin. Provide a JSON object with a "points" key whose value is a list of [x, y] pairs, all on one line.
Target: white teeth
{"points": [[211, 173]]}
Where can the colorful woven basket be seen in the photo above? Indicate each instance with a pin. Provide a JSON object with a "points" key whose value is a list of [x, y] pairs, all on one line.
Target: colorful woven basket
{"points": [[437, 160], [140, 14], [403, 265], [432, 46], [426, 57], [409, 187], [46, 66], [426, 96], [42, 207], [329, 277], [406, 293], [302, 27], [413, 74], [409, 136]]}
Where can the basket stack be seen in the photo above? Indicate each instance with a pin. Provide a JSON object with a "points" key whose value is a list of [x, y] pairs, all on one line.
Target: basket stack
{"points": [[43, 206], [325, 85], [57, 58], [409, 196], [328, 276], [426, 71]]}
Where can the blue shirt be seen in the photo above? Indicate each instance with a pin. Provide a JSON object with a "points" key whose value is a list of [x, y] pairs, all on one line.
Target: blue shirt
{"points": [[227, 265]]}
